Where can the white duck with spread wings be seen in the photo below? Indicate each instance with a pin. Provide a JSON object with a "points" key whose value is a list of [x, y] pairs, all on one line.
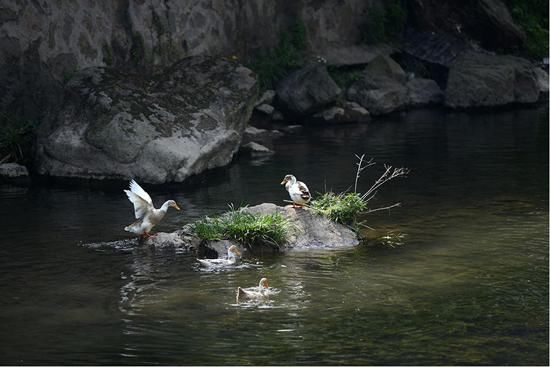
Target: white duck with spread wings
{"points": [[146, 214]]}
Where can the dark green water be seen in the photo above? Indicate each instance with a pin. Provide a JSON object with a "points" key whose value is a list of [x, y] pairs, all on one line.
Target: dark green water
{"points": [[468, 283]]}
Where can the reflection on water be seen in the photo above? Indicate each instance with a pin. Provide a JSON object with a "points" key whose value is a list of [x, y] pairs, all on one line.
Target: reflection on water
{"points": [[463, 278]]}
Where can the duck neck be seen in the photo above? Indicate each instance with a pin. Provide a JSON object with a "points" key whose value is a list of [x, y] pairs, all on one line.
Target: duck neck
{"points": [[164, 207], [290, 182]]}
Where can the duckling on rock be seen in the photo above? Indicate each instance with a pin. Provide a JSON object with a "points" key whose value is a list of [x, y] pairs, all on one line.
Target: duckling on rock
{"points": [[298, 191]]}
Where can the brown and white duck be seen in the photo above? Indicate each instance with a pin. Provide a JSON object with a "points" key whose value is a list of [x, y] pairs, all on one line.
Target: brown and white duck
{"points": [[298, 191]]}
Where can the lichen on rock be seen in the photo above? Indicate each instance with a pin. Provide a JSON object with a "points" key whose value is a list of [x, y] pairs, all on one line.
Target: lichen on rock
{"points": [[160, 128]]}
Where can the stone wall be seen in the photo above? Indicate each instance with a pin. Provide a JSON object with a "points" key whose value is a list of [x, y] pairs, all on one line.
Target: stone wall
{"points": [[43, 43], [66, 35]]}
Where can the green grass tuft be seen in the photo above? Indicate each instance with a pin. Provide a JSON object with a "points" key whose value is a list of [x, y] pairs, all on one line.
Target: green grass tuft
{"points": [[342, 208], [385, 23], [245, 228], [532, 17], [16, 139]]}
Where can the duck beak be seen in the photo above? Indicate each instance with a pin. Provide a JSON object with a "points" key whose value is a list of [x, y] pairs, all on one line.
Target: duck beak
{"points": [[284, 182], [266, 284], [176, 207]]}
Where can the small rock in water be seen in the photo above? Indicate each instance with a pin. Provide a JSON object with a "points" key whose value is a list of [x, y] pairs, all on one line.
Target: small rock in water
{"points": [[13, 173], [262, 136], [292, 129], [351, 112], [265, 108], [256, 150], [332, 114], [267, 97]]}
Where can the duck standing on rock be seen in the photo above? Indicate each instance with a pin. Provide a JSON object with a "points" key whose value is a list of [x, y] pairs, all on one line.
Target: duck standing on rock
{"points": [[146, 214], [252, 293], [233, 257], [298, 191]]}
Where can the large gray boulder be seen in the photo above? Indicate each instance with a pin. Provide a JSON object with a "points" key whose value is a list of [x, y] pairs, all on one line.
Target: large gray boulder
{"points": [[381, 89], [386, 66], [423, 92], [478, 79], [157, 129], [307, 90], [542, 80], [378, 94]]}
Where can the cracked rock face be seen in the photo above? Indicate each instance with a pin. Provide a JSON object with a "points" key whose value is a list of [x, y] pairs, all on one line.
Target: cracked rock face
{"points": [[156, 129], [479, 79]]}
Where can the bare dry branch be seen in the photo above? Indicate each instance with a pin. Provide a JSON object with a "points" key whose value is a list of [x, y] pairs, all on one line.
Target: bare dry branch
{"points": [[5, 159], [361, 167], [389, 174], [384, 208]]}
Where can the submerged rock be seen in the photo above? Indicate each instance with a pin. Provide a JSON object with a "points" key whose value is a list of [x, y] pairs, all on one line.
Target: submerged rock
{"points": [[478, 79], [157, 129], [14, 173], [265, 109], [263, 136], [350, 112], [307, 230], [256, 150], [13, 170]]}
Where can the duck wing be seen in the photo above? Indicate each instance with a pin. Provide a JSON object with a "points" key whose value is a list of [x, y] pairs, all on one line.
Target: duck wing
{"points": [[249, 293], [140, 198], [136, 227], [304, 191]]}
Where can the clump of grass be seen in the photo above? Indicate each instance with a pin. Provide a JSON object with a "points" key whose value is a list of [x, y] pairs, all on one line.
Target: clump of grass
{"points": [[347, 207], [343, 208], [244, 227], [15, 139]]}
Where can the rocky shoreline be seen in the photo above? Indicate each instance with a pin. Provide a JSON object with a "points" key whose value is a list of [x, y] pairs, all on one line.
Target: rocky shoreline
{"points": [[143, 96], [476, 79]]}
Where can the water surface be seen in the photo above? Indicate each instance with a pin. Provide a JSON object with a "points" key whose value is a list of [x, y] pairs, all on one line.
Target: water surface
{"points": [[465, 283]]}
